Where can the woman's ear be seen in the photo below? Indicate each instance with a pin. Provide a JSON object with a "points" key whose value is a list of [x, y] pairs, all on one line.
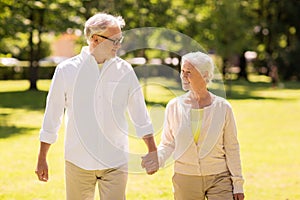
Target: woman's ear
{"points": [[205, 76]]}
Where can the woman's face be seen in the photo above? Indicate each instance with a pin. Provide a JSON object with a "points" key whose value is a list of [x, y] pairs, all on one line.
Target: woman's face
{"points": [[185, 71], [191, 78]]}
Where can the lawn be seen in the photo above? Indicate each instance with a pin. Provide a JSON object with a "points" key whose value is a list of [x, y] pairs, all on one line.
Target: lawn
{"points": [[269, 134]]}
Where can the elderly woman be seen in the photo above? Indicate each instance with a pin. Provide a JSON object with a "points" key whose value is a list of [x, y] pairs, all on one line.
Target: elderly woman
{"points": [[200, 130]]}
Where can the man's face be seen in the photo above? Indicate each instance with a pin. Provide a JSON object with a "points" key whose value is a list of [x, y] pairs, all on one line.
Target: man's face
{"points": [[105, 45]]}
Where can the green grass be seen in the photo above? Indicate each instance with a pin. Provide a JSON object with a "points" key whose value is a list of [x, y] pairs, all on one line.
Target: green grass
{"points": [[268, 125]]}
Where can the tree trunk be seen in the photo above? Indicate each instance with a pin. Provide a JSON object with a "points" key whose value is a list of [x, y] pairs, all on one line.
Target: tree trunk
{"points": [[243, 66], [33, 63], [35, 49]]}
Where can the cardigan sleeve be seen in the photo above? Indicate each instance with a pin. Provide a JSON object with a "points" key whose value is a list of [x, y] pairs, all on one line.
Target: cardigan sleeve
{"points": [[167, 144], [232, 150]]}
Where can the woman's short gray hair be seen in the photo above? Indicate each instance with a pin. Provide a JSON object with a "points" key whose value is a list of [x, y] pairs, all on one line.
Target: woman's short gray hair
{"points": [[202, 62], [99, 23]]}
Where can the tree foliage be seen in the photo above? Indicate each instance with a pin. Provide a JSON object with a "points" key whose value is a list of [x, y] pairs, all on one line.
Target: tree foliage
{"points": [[226, 27], [277, 32]]}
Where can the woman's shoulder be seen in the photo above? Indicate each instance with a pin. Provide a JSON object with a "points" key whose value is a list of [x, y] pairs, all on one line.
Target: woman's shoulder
{"points": [[177, 102], [221, 101], [172, 102]]}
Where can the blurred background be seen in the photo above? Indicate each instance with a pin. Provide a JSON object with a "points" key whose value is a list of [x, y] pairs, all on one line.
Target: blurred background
{"points": [[255, 45], [248, 36]]}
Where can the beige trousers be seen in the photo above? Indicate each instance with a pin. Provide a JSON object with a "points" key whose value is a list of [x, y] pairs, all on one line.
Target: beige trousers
{"points": [[213, 187], [80, 183]]}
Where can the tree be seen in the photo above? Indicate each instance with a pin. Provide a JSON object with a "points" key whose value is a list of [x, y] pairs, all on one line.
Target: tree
{"points": [[277, 32], [34, 18], [225, 27]]}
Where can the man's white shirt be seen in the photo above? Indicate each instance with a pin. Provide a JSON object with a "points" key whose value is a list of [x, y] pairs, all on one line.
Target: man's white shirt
{"points": [[95, 104]]}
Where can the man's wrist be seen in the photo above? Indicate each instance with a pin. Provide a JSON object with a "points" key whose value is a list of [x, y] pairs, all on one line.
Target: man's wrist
{"points": [[150, 142], [152, 149]]}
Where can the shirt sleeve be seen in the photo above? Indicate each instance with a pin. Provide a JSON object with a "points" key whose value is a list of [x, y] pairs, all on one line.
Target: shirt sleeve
{"points": [[167, 144], [137, 108], [55, 105], [232, 150]]}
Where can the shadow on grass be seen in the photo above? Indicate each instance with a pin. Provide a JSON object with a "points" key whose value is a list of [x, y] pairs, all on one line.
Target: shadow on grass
{"points": [[246, 95], [237, 89], [31, 100], [8, 131], [154, 103]]}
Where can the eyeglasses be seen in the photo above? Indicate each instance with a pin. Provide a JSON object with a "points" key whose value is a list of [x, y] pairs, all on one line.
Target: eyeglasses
{"points": [[115, 42]]}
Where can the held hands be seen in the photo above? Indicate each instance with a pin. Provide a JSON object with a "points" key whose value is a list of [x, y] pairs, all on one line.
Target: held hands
{"points": [[238, 196], [150, 162]]}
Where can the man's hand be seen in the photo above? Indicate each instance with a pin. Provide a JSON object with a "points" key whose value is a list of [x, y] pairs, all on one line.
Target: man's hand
{"points": [[42, 170], [150, 162], [238, 196], [42, 166]]}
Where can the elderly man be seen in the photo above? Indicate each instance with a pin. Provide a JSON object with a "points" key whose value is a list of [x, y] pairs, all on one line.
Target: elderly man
{"points": [[94, 89]]}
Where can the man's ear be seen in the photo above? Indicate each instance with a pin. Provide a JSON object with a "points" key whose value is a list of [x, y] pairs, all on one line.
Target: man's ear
{"points": [[94, 39]]}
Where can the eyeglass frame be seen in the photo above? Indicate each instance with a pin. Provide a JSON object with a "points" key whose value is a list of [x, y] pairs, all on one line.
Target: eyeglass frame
{"points": [[115, 42]]}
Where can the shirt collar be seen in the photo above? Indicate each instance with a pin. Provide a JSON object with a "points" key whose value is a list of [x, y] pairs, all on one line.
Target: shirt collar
{"points": [[85, 52]]}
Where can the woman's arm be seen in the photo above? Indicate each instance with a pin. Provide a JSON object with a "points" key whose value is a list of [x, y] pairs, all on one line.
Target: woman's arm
{"points": [[232, 152]]}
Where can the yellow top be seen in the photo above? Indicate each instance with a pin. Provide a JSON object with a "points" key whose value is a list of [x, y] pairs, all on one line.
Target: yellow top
{"points": [[100, 66], [196, 121]]}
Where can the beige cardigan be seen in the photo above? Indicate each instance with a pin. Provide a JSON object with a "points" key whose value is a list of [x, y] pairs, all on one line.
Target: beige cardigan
{"points": [[217, 149]]}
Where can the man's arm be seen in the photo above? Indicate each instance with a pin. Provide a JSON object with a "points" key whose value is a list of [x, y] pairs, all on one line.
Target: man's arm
{"points": [[150, 161], [150, 142], [239, 196], [42, 166]]}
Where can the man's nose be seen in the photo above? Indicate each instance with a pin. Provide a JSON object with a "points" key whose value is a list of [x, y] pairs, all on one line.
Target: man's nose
{"points": [[184, 75]]}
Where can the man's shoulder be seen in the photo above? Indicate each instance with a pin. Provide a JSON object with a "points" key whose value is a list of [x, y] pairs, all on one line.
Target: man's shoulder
{"points": [[122, 62], [70, 62], [122, 66]]}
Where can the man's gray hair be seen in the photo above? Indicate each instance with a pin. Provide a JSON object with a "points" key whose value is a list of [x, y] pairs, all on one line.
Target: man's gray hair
{"points": [[99, 23], [202, 62]]}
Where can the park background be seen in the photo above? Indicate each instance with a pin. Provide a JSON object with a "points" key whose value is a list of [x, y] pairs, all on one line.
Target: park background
{"points": [[256, 48]]}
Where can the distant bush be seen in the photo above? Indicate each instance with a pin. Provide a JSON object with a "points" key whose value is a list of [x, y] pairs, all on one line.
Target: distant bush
{"points": [[19, 73]]}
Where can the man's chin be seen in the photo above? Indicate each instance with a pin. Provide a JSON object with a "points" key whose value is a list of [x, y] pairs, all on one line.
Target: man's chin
{"points": [[185, 88], [110, 57], [113, 55]]}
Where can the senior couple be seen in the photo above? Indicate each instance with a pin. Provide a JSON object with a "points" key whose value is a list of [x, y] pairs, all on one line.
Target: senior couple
{"points": [[199, 127]]}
